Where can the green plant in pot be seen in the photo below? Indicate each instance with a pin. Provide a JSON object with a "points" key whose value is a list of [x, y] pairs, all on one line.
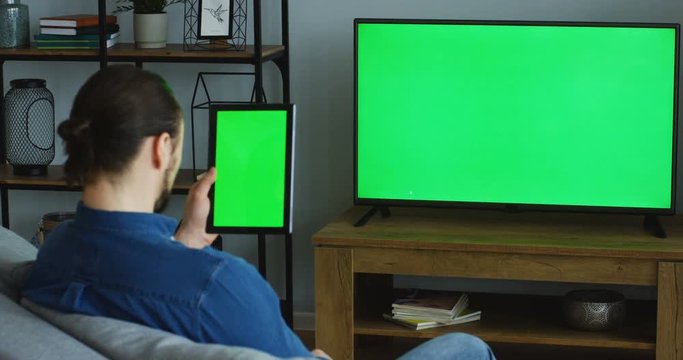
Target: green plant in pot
{"points": [[150, 21]]}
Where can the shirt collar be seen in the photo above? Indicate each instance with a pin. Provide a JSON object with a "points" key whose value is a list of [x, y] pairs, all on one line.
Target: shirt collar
{"points": [[130, 221]]}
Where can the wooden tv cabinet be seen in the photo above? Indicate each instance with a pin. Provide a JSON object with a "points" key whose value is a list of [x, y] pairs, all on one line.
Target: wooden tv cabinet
{"points": [[354, 270]]}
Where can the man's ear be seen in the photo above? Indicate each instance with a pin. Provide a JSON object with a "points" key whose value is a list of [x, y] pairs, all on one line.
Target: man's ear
{"points": [[162, 150]]}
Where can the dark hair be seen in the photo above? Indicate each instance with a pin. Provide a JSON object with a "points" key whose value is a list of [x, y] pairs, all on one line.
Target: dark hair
{"points": [[111, 115]]}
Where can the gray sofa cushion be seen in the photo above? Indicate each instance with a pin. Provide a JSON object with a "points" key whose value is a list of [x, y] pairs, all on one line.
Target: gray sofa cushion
{"points": [[117, 339], [25, 336], [15, 252]]}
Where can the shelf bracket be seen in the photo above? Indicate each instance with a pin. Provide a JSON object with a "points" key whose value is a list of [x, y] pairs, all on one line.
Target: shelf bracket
{"points": [[282, 64]]}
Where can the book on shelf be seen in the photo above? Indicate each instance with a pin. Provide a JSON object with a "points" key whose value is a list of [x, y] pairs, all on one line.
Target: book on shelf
{"points": [[73, 44], [425, 309], [446, 304], [84, 37], [466, 316], [89, 30], [75, 21]]}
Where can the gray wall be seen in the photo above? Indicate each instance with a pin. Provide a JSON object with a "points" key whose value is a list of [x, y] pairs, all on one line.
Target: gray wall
{"points": [[322, 80]]}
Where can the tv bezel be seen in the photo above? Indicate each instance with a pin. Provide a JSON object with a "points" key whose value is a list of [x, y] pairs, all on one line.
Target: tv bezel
{"points": [[287, 220], [516, 206]]}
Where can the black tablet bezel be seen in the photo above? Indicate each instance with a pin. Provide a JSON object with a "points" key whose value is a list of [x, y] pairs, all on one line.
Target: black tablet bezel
{"points": [[286, 228]]}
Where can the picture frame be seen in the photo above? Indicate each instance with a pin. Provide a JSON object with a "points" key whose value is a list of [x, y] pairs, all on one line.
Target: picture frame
{"points": [[215, 19]]}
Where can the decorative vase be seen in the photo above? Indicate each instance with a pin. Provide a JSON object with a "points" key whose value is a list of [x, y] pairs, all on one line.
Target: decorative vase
{"points": [[29, 126], [150, 30], [13, 24], [594, 310]]}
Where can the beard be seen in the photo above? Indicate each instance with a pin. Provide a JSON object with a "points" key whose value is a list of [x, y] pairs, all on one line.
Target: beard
{"points": [[162, 201], [164, 197]]}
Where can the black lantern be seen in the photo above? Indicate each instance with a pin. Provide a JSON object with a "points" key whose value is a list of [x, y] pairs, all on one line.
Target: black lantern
{"points": [[29, 126]]}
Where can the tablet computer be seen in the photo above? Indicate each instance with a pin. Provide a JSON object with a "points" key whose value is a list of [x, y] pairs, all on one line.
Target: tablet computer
{"points": [[252, 148]]}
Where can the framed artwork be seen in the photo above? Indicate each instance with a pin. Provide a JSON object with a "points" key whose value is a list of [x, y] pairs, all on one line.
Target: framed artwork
{"points": [[215, 19]]}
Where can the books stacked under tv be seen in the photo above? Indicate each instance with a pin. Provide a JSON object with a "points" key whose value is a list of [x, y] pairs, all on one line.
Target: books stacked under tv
{"points": [[424, 309], [75, 32]]}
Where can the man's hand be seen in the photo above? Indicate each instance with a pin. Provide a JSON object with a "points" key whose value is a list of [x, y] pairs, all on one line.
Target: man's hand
{"points": [[192, 231]]}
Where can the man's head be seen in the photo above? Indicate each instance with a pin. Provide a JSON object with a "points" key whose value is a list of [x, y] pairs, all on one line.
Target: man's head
{"points": [[118, 112]]}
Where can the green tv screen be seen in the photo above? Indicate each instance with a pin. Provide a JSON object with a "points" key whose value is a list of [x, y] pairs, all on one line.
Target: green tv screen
{"points": [[558, 114], [250, 146]]}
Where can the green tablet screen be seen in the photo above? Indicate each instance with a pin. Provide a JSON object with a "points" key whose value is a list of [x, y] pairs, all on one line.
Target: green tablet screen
{"points": [[251, 160]]}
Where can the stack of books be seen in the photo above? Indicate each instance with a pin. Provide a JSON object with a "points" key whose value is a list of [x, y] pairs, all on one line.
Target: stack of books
{"points": [[75, 32], [425, 309]]}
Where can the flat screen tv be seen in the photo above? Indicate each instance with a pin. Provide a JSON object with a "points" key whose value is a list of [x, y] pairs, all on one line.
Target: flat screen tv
{"points": [[537, 115], [251, 147]]}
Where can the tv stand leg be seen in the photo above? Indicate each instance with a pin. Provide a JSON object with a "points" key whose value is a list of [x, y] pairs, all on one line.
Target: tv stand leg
{"points": [[384, 211], [653, 226]]}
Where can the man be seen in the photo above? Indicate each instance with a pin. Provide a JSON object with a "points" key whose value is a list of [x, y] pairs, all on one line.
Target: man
{"points": [[118, 258]]}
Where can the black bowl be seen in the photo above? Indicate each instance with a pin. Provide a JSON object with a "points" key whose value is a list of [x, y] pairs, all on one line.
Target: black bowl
{"points": [[594, 310]]}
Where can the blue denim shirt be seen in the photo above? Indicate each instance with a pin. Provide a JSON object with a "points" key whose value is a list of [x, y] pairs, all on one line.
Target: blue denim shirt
{"points": [[128, 266]]}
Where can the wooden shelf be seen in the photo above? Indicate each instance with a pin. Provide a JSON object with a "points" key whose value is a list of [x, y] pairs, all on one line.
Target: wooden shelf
{"points": [[539, 233], [355, 267], [54, 180], [394, 347], [531, 320], [128, 52]]}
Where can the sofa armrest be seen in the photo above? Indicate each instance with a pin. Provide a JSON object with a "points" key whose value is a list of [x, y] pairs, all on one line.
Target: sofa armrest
{"points": [[25, 336], [123, 340], [15, 254]]}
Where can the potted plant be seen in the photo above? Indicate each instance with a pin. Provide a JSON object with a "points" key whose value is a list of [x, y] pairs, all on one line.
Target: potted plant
{"points": [[150, 21]]}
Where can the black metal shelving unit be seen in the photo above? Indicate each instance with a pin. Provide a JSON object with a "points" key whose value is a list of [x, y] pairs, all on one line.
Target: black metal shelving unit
{"points": [[256, 55]]}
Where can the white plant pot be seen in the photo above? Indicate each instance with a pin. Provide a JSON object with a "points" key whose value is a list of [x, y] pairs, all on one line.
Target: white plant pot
{"points": [[150, 30]]}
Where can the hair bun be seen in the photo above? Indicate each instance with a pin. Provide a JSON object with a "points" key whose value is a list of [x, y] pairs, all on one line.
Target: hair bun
{"points": [[73, 130]]}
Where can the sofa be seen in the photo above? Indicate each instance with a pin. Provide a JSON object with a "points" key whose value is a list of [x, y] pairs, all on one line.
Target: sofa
{"points": [[30, 331]]}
